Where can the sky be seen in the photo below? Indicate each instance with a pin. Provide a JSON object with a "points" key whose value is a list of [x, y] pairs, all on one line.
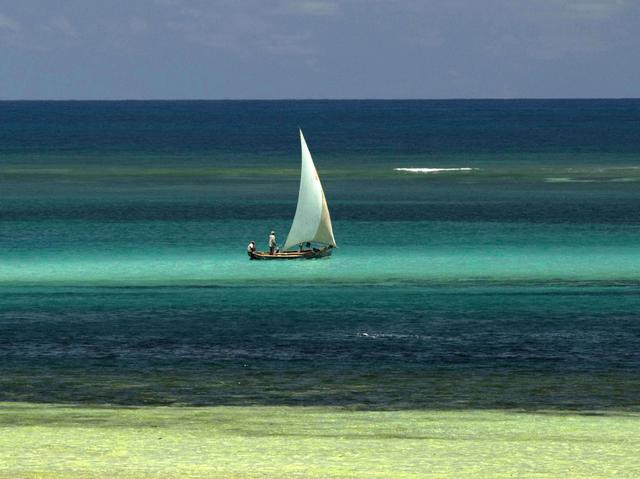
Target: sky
{"points": [[271, 49]]}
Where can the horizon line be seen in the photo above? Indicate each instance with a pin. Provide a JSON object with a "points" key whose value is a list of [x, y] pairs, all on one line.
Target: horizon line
{"points": [[313, 99]]}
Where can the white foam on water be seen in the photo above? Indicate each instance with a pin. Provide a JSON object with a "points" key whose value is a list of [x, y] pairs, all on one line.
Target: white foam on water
{"points": [[567, 180], [623, 180], [432, 170]]}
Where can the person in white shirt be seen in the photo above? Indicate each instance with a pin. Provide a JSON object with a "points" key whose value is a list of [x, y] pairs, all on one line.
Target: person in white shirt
{"points": [[273, 243], [251, 248]]}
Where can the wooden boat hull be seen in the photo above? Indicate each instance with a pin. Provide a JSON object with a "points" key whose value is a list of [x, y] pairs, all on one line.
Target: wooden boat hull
{"points": [[306, 254]]}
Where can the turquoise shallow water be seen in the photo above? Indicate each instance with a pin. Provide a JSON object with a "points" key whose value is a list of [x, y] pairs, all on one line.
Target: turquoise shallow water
{"points": [[124, 277], [175, 253]]}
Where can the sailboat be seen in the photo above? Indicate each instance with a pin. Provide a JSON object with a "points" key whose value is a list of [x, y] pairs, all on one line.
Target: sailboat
{"points": [[311, 229]]}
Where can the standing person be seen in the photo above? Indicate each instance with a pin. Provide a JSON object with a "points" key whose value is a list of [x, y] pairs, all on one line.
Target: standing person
{"points": [[251, 248], [273, 243]]}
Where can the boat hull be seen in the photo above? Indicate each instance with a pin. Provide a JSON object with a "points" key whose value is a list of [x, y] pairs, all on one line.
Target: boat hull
{"points": [[306, 254]]}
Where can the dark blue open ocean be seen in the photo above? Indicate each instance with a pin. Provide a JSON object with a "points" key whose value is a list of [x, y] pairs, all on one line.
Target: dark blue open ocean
{"points": [[510, 280]]}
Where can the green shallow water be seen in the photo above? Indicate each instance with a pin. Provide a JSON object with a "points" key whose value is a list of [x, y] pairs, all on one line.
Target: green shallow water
{"points": [[53, 441]]}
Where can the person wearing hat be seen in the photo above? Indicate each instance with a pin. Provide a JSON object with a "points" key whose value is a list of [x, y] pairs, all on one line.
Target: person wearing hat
{"points": [[273, 244], [251, 248]]}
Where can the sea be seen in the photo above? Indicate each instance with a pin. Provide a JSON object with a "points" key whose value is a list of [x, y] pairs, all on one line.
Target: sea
{"points": [[488, 254]]}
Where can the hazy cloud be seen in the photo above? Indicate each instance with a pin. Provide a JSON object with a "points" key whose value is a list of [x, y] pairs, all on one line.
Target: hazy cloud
{"points": [[10, 30], [322, 48], [60, 24], [594, 9], [137, 26], [8, 24], [240, 28], [309, 7]]}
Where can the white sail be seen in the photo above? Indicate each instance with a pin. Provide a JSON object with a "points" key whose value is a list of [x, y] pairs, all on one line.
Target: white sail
{"points": [[311, 222]]}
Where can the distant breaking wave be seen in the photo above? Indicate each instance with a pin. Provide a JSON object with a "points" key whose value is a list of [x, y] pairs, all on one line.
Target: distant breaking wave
{"points": [[432, 170]]}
